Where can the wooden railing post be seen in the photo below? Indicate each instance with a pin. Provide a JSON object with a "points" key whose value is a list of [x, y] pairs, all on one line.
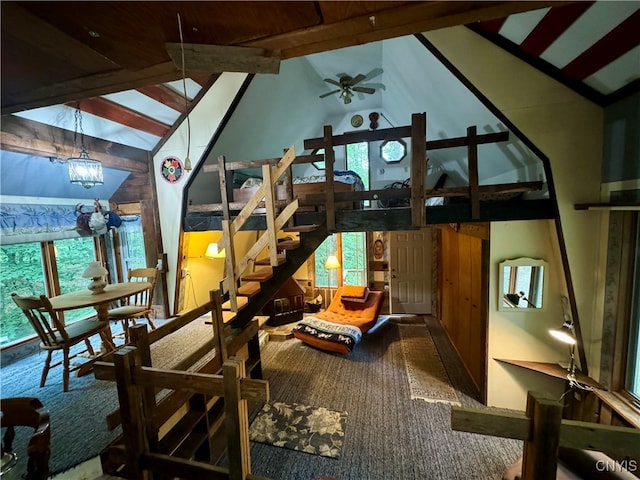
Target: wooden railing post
{"points": [[329, 161], [140, 338], [474, 186], [131, 417], [540, 454], [418, 168], [236, 420], [270, 205], [216, 313]]}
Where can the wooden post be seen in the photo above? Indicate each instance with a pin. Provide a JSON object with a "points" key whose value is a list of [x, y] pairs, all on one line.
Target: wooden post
{"points": [[229, 259], [329, 161], [140, 338], [130, 398], [474, 187], [540, 454], [236, 420], [216, 311], [418, 168], [270, 204], [222, 173]]}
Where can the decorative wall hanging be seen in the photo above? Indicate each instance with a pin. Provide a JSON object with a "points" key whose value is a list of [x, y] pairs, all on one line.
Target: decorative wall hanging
{"points": [[171, 169]]}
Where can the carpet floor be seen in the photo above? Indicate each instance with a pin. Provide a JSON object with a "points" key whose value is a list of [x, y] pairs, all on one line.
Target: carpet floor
{"points": [[388, 435], [78, 417]]}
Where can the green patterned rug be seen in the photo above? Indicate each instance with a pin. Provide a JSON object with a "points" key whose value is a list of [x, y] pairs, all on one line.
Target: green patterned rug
{"points": [[294, 426]]}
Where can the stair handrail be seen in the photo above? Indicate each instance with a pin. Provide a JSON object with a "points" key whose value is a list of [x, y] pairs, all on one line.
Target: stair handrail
{"points": [[271, 175]]}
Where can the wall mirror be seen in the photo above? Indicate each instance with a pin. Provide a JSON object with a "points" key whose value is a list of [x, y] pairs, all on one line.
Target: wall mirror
{"points": [[523, 284]]}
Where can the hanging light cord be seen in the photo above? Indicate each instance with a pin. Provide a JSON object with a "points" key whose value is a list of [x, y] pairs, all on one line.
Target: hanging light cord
{"points": [[78, 128], [187, 161]]}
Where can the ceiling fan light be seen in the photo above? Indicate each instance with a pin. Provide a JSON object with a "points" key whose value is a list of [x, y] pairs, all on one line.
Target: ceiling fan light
{"points": [[85, 171]]}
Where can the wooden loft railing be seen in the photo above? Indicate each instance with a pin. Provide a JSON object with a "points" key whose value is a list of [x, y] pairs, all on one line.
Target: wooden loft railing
{"points": [[416, 194]]}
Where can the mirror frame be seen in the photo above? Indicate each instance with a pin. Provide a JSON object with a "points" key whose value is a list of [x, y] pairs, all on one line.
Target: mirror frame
{"points": [[521, 262]]}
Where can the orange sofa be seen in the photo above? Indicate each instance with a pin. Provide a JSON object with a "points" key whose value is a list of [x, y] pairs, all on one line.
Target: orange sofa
{"points": [[352, 312]]}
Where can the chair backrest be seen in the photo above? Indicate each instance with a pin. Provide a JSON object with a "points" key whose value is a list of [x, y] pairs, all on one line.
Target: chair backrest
{"points": [[150, 275], [43, 319]]}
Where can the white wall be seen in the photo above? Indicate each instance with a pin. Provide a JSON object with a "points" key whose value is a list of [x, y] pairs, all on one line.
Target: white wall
{"points": [[205, 119], [568, 130]]}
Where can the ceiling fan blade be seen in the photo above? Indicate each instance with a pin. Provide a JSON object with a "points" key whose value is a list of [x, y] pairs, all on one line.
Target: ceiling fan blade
{"points": [[364, 90], [332, 82], [374, 73], [357, 79], [329, 93]]}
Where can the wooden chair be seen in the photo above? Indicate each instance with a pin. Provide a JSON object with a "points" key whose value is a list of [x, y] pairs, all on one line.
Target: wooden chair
{"points": [[28, 412], [55, 335], [138, 305]]}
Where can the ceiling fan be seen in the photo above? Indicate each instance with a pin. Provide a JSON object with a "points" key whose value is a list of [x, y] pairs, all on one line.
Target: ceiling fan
{"points": [[348, 85]]}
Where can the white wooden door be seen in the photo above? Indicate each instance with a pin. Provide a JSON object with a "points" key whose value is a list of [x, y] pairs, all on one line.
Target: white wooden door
{"points": [[410, 265]]}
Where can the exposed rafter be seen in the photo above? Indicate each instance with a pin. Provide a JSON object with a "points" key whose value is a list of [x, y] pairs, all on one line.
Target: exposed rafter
{"points": [[34, 138]]}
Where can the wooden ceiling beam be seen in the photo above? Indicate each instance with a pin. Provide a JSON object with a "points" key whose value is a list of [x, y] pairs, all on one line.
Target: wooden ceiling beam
{"points": [[117, 113], [404, 20], [20, 135], [92, 86], [166, 96]]}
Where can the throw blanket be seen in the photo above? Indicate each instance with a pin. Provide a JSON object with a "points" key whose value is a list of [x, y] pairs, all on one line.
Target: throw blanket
{"points": [[345, 335]]}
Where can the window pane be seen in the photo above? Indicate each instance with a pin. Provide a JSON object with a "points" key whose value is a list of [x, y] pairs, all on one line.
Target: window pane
{"points": [[21, 271], [72, 257], [353, 254], [633, 357], [132, 243], [358, 161]]}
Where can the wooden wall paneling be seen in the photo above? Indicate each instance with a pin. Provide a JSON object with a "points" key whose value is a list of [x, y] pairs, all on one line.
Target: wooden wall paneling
{"points": [[445, 268], [477, 323], [465, 286], [454, 288]]}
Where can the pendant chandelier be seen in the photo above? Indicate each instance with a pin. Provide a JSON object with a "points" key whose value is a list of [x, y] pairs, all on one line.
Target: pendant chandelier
{"points": [[83, 170]]}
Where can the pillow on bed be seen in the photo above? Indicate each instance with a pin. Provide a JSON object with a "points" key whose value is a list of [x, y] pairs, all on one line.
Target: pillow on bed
{"points": [[353, 293]]}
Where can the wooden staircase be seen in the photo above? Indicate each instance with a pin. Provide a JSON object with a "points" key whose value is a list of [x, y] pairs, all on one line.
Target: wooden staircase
{"points": [[247, 290]]}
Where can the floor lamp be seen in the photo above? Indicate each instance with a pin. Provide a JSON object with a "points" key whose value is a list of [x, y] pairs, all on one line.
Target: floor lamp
{"points": [[331, 264]]}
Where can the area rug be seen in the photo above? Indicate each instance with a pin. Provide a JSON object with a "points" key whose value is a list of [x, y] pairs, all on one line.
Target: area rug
{"points": [[428, 379], [315, 430]]}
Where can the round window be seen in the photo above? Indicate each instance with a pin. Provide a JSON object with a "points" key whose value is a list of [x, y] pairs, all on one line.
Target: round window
{"points": [[392, 151]]}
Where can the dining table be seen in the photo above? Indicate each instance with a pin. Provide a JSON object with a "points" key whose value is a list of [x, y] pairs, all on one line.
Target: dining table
{"points": [[101, 302]]}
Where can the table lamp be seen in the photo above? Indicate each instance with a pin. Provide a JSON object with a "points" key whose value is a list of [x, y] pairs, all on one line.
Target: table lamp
{"points": [[96, 272], [566, 335]]}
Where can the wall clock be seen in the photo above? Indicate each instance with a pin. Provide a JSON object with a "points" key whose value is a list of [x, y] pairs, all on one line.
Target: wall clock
{"points": [[356, 121]]}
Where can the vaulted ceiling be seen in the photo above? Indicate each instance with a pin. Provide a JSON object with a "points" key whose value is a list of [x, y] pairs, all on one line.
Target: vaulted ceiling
{"points": [[111, 60]]}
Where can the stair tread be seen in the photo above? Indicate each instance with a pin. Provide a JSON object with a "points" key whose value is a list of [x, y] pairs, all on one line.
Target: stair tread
{"points": [[227, 316], [267, 261], [249, 289], [288, 244], [260, 275], [241, 301], [301, 228]]}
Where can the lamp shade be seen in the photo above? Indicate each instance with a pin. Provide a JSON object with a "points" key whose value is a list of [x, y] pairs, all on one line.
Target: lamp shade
{"points": [[85, 171], [332, 262], [213, 252], [565, 333], [94, 270]]}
